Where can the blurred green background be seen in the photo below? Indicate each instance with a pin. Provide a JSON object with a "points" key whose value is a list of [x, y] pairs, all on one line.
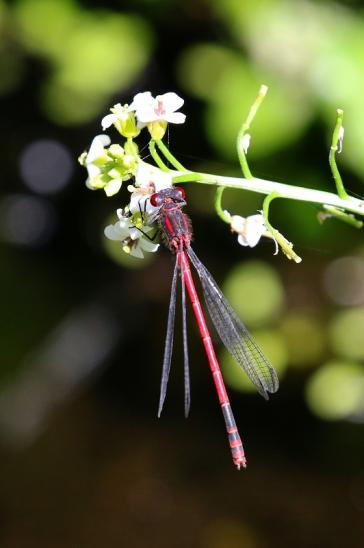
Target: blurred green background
{"points": [[83, 459]]}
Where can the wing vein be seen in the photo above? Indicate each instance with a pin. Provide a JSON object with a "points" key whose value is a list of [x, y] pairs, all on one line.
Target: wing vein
{"points": [[233, 333]]}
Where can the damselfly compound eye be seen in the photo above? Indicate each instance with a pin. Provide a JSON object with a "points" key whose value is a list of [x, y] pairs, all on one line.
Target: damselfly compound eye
{"points": [[154, 199], [181, 191]]}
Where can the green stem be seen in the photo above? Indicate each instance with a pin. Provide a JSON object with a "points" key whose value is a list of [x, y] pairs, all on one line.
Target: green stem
{"points": [[224, 216], [337, 138], [266, 204], [158, 160], [240, 145], [347, 218], [286, 246], [168, 154], [264, 186]]}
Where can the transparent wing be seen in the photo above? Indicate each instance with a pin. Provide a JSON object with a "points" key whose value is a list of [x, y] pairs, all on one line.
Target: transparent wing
{"points": [[186, 367], [234, 334], [168, 348]]}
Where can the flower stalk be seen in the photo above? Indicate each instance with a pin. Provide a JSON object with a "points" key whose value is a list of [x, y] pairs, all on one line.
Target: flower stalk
{"points": [[110, 164], [222, 213], [284, 244], [336, 147], [243, 139], [265, 186], [158, 160]]}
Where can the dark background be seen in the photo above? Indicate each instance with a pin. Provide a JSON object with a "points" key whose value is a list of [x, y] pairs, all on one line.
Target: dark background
{"points": [[84, 460]]}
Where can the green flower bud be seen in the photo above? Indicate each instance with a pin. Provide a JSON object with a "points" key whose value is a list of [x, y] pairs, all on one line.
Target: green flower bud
{"points": [[82, 158], [157, 129], [115, 151], [123, 120]]}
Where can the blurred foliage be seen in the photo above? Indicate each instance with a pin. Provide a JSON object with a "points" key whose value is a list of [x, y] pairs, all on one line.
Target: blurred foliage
{"points": [[309, 53], [90, 54], [228, 83], [299, 327]]}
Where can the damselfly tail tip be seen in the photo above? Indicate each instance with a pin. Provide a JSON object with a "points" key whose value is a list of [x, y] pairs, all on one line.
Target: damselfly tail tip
{"points": [[240, 463]]}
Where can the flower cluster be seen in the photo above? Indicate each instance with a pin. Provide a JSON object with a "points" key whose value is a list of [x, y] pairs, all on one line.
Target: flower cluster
{"points": [[146, 111], [109, 165], [131, 229]]}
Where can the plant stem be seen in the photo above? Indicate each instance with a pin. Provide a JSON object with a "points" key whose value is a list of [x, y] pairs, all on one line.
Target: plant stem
{"points": [[347, 218], [241, 145], [224, 216], [286, 246], [158, 160], [168, 154], [337, 138], [263, 186]]}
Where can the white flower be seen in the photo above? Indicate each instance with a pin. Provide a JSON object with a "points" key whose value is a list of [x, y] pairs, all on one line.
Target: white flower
{"points": [[161, 108], [123, 118], [250, 229], [133, 240], [117, 112], [95, 154], [148, 180], [112, 187], [94, 161]]}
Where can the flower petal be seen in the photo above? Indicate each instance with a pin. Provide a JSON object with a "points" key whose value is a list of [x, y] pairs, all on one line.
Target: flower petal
{"points": [[175, 118], [116, 232], [252, 238], [146, 114], [171, 101], [113, 187], [148, 175], [141, 99], [135, 233], [137, 252], [108, 121], [237, 223], [97, 147], [148, 246], [258, 218], [93, 171], [89, 183], [254, 229], [140, 202], [242, 240]]}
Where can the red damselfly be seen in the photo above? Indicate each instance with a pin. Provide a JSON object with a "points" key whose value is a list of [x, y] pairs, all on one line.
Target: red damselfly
{"points": [[177, 233]]}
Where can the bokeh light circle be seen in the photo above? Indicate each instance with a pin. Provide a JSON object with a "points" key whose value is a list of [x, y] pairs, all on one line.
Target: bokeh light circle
{"points": [[336, 390], [256, 292], [346, 333], [343, 281], [305, 338], [26, 220], [46, 166]]}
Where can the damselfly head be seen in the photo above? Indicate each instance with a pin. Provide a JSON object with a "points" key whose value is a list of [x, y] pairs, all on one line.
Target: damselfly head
{"points": [[174, 194]]}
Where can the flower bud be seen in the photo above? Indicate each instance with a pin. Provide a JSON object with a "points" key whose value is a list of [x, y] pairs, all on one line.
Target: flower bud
{"points": [[157, 129], [123, 119]]}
